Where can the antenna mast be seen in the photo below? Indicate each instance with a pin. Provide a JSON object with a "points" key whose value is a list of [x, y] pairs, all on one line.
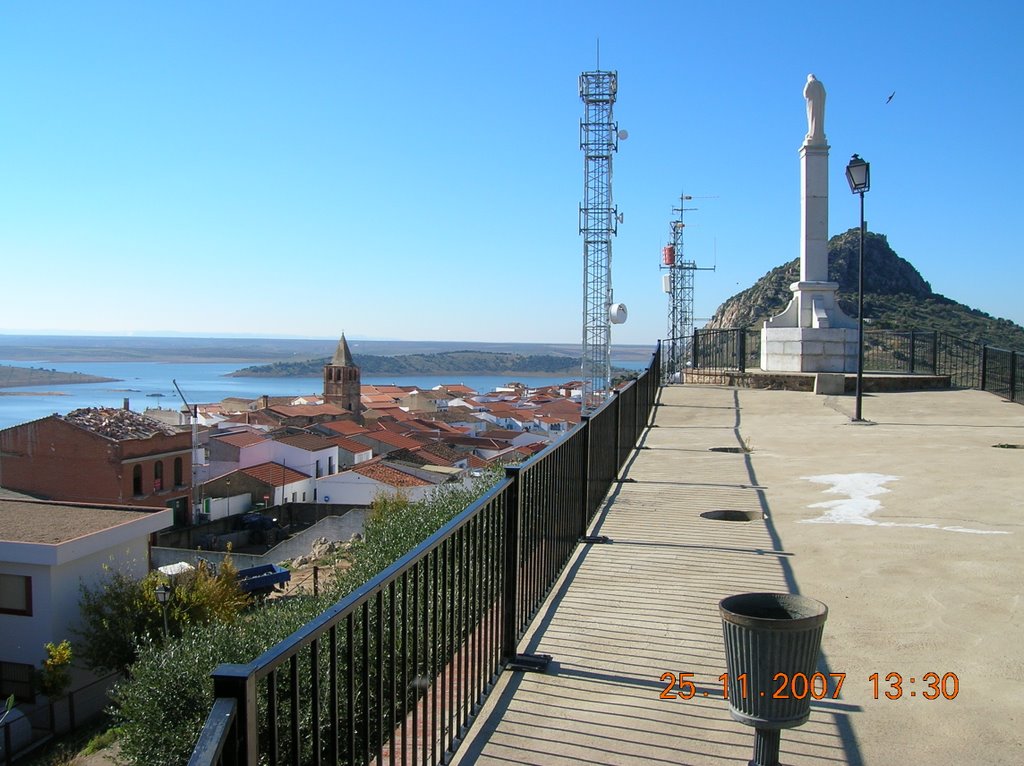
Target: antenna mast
{"points": [[678, 283], [193, 416], [598, 223]]}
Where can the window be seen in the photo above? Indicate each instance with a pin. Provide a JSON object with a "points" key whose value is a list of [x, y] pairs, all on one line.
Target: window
{"points": [[330, 465], [15, 595], [137, 480], [319, 473], [16, 679], [178, 475], [158, 475]]}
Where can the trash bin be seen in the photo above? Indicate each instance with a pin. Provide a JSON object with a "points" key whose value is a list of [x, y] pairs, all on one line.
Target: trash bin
{"points": [[772, 642]]}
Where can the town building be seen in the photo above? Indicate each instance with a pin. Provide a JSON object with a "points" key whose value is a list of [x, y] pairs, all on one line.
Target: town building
{"points": [[99, 455], [48, 551]]}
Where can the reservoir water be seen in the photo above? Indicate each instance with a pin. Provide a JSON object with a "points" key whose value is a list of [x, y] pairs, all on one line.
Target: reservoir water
{"points": [[148, 384]]}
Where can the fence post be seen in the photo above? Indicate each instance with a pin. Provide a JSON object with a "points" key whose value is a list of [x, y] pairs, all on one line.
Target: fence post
{"points": [[693, 350], [912, 353], [239, 682], [1013, 376], [935, 352], [741, 349], [636, 414], [618, 433], [585, 474], [513, 515], [984, 366]]}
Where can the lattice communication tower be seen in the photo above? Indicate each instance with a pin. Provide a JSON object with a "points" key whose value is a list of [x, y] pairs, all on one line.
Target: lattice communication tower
{"points": [[678, 283], [598, 223]]}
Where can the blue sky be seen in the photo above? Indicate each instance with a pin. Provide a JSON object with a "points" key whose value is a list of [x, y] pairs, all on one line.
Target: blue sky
{"points": [[412, 170]]}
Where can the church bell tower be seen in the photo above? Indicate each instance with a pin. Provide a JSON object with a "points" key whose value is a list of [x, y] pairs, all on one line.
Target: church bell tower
{"points": [[341, 380]]}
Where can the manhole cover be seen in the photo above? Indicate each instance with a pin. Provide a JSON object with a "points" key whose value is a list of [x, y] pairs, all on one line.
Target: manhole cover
{"points": [[730, 515], [733, 450], [1008, 446]]}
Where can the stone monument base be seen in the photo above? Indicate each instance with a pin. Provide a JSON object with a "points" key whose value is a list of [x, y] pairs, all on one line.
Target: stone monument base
{"points": [[809, 349]]}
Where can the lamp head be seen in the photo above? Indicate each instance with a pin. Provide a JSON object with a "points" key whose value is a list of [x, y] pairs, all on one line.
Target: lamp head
{"points": [[858, 174]]}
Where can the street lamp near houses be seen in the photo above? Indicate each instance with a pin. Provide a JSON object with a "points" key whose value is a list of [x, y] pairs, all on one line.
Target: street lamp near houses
{"points": [[163, 595], [858, 175]]}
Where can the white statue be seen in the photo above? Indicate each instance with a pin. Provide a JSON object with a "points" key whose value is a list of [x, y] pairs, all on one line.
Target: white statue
{"points": [[814, 92]]}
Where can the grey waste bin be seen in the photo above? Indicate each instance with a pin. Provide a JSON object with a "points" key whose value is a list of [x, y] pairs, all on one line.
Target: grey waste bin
{"points": [[770, 638]]}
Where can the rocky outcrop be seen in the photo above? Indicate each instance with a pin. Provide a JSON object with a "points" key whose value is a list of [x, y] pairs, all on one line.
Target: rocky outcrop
{"points": [[896, 296]]}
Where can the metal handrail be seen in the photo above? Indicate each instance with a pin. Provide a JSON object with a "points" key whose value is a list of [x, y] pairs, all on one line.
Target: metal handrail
{"points": [[411, 654], [968, 363]]}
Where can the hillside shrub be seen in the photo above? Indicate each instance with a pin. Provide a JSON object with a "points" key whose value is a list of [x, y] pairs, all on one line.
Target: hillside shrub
{"points": [[122, 612], [163, 704]]}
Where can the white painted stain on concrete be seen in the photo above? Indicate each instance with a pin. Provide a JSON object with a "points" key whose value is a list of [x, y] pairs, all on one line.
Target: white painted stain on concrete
{"points": [[859, 503]]}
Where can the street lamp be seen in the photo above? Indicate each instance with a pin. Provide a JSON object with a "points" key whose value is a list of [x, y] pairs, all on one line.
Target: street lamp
{"points": [[163, 593], [858, 175]]}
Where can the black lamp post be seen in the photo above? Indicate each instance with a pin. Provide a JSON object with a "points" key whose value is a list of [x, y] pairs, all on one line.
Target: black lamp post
{"points": [[858, 174], [163, 593]]}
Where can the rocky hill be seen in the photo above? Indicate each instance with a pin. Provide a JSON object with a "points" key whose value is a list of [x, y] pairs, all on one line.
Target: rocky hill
{"points": [[896, 296]]}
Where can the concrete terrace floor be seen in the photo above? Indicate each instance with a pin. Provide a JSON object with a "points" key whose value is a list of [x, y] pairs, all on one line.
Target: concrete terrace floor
{"points": [[919, 561]]}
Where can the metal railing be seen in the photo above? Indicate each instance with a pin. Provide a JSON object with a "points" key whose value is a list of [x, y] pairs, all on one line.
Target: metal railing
{"points": [[395, 672], [733, 349], [967, 363]]}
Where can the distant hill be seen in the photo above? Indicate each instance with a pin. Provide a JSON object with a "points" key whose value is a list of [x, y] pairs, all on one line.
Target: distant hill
{"points": [[896, 296], [445, 363], [12, 377]]}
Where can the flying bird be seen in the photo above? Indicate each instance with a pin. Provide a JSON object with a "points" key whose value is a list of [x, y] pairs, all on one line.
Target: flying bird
{"points": [[890, 97]]}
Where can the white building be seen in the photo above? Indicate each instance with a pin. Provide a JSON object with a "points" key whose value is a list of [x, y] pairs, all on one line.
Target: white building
{"points": [[48, 551]]}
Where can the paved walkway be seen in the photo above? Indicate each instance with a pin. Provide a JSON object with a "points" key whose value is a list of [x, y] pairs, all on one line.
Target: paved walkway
{"points": [[917, 551]]}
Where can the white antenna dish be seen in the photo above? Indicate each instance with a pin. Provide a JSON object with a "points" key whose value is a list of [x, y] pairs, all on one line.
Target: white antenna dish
{"points": [[623, 135], [617, 313]]}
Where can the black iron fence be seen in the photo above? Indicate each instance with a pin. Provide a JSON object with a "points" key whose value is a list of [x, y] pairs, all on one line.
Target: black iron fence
{"points": [[737, 350], [394, 672], [967, 363]]}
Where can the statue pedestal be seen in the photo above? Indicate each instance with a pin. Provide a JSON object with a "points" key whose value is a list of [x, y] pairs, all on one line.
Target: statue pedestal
{"points": [[811, 335]]}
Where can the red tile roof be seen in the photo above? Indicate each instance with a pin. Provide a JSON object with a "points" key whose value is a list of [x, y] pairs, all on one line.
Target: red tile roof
{"points": [[385, 474], [459, 390], [395, 440], [346, 427], [274, 474], [308, 442], [349, 445], [309, 410], [243, 439]]}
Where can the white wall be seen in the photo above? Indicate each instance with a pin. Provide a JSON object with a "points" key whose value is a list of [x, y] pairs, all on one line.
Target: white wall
{"points": [[222, 507], [351, 488], [57, 572]]}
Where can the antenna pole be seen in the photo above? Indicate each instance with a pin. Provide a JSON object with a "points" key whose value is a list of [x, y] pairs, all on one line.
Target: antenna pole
{"points": [[193, 412], [680, 292]]}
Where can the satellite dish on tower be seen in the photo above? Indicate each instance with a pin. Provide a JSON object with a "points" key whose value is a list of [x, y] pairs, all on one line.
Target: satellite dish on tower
{"points": [[617, 313], [623, 135]]}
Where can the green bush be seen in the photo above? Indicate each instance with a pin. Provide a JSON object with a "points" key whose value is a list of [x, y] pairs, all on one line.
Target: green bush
{"points": [[163, 704], [121, 613]]}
